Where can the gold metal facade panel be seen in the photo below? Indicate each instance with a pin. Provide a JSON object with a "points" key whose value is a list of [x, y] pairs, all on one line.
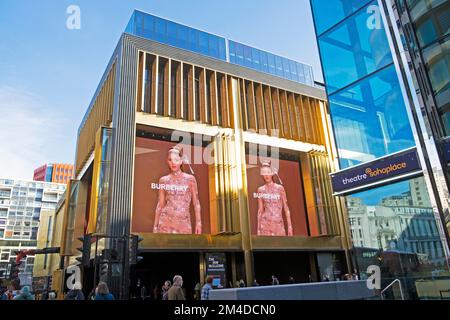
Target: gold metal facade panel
{"points": [[296, 243], [99, 115], [92, 223], [169, 242]]}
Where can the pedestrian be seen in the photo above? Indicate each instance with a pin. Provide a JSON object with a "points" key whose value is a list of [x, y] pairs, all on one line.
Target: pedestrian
{"points": [[207, 287], [176, 292], [291, 280], [24, 294], [52, 295], [9, 294], [275, 281], [165, 290], [241, 283], [102, 292], [76, 293], [255, 283], [197, 290], [91, 295], [143, 293], [4, 294]]}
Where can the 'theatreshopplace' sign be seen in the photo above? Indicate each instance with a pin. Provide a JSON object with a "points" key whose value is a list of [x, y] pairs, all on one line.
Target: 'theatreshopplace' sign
{"points": [[393, 167]]}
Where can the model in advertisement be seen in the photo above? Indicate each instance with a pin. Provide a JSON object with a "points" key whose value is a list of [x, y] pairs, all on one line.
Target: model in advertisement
{"points": [[177, 191], [271, 202]]}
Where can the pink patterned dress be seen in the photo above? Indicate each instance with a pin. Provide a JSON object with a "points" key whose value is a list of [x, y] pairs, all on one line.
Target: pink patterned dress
{"points": [[175, 216], [270, 220]]}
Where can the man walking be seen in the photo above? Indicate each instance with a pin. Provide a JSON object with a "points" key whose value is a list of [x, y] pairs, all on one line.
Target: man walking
{"points": [[176, 292]]}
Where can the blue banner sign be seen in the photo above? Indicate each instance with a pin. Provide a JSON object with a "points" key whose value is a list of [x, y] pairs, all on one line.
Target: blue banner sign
{"points": [[390, 168]]}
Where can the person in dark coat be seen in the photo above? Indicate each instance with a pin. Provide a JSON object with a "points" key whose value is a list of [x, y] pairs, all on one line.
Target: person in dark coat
{"points": [[76, 293]]}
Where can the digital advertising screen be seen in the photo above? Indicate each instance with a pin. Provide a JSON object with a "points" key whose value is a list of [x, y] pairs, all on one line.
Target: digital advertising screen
{"points": [[276, 198], [171, 194]]}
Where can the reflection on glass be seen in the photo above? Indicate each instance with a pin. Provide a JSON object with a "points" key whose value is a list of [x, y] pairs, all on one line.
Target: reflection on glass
{"points": [[395, 228], [370, 119], [329, 12], [351, 51], [437, 59], [171, 33]]}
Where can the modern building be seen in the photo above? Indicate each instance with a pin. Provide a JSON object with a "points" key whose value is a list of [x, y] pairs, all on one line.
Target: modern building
{"points": [[391, 169], [231, 107], [423, 34], [54, 172], [22, 203]]}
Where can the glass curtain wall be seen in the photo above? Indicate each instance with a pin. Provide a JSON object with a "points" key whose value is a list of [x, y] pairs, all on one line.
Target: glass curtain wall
{"points": [[393, 226]]}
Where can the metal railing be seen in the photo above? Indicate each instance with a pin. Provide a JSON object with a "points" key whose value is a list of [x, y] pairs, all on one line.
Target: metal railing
{"points": [[390, 285]]}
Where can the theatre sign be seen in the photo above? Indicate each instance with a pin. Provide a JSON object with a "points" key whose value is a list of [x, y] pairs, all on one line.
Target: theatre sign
{"points": [[394, 167]]}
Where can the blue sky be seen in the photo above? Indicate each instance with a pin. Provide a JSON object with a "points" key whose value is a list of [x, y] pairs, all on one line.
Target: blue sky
{"points": [[49, 73]]}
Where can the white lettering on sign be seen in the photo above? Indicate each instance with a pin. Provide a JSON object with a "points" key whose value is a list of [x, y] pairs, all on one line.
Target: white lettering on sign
{"points": [[169, 187]]}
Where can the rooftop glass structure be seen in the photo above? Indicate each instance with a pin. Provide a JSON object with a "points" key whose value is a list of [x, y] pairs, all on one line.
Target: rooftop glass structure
{"points": [[171, 33]]}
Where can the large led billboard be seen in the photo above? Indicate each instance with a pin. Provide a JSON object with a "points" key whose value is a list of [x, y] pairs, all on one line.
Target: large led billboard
{"points": [[276, 198], [171, 195]]}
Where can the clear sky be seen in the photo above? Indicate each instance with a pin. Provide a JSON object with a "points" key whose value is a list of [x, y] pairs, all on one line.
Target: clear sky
{"points": [[49, 73]]}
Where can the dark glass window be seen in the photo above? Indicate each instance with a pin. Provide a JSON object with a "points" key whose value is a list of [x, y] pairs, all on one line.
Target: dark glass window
{"points": [[161, 81]]}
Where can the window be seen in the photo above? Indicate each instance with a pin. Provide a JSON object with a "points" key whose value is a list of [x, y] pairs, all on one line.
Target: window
{"points": [[204, 43], [183, 37]]}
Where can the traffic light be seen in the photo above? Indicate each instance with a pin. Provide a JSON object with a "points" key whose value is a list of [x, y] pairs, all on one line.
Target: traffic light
{"points": [[85, 250], [134, 249]]}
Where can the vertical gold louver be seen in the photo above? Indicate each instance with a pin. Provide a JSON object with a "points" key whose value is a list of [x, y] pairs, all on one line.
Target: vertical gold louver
{"points": [[203, 95], [100, 114]]}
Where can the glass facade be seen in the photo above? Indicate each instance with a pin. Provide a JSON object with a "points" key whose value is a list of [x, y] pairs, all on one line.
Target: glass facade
{"points": [[267, 62], [21, 203], [177, 35], [362, 85], [431, 23], [154, 28], [394, 226]]}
